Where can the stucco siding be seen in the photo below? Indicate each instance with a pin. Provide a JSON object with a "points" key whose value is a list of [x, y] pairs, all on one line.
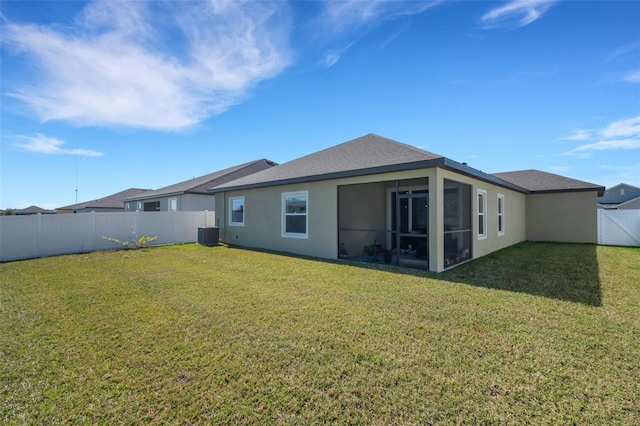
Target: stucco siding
{"points": [[263, 220], [569, 217], [195, 202], [363, 204], [263, 215]]}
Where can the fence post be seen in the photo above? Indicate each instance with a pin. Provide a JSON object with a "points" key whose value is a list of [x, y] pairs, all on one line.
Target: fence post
{"points": [[94, 240], [38, 233]]}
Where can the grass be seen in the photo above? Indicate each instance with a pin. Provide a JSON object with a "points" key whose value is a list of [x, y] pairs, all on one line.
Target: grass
{"points": [[534, 334]]}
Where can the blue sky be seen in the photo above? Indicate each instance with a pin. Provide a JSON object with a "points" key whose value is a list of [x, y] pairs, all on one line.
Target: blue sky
{"points": [[104, 96]]}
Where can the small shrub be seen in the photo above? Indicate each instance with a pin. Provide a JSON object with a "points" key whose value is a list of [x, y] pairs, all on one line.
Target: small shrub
{"points": [[135, 243]]}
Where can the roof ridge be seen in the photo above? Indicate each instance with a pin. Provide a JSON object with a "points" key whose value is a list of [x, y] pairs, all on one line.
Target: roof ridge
{"points": [[412, 147]]}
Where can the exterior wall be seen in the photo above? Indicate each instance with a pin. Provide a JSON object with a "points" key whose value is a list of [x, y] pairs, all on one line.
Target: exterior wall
{"points": [[568, 217], [263, 215], [195, 202], [99, 210], [514, 216], [630, 205], [364, 206], [132, 206], [186, 203], [263, 210]]}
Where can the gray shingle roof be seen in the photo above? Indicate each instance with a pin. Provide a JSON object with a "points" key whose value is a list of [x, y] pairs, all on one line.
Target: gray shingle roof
{"points": [[364, 154], [113, 201], [537, 181], [32, 210], [372, 154], [201, 184]]}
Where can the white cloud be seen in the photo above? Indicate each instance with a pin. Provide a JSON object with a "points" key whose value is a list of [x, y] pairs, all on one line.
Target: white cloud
{"points": [[352, 14], [624, 51], [579, 135], [113, 68], [618, 135], [516, 13], [623, 128], [350, 18], [46, 145], [609, 144], [632, 77], [331, 57]]}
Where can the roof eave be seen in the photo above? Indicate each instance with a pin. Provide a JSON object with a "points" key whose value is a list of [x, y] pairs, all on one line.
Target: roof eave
{"points": [[480, 175], [555, 191], [443, 162], [436, 162], [150, 197]]}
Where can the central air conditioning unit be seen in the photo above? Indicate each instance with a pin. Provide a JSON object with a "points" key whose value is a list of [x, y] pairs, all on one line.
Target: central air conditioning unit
{"points": [[208, 236]]}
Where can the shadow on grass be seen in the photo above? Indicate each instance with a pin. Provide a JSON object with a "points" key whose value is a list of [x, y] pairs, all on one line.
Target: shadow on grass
{"points": [[556, 270], [560, 271]]}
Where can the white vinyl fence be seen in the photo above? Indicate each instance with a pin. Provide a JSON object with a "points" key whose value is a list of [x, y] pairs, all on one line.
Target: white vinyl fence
{"points": [[619, 227], [25, 237]]}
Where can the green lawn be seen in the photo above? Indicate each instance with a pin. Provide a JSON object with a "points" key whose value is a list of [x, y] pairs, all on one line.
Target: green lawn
{"points": [[534, 334]]}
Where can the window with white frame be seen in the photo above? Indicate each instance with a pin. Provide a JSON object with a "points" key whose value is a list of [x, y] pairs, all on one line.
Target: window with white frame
{"points": [[295, 220], [173, 204], [500, 214], [236, 211], [482, 214]]}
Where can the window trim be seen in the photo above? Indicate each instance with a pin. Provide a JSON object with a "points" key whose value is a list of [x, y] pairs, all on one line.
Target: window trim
{"points": [[481, 215], [284, 215], [172, 199], [500, 214], [231, 222]]}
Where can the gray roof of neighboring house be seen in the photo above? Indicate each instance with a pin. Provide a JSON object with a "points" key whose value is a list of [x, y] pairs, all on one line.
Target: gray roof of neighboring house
{"points": [[541, 182], [32, 210], [113, 201], [614, 195], [365, 155], [201, 184]]}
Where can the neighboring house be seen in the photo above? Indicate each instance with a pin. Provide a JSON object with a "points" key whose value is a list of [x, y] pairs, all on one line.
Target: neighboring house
{"points": [[192, 194], [110, 203], [418, 208], [31, 210], [621, 196]]}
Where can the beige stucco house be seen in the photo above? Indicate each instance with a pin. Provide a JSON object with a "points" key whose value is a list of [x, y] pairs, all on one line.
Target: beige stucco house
{"points": [[414, 207]]}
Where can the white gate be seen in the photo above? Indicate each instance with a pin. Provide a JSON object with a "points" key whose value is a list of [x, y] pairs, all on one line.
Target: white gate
{"points": [[619, 227]]}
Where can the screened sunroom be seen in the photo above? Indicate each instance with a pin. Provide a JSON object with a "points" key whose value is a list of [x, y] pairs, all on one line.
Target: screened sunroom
{"points": [[390, 222]]}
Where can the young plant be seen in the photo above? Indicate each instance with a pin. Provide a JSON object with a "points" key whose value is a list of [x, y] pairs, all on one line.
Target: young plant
{"points": [[135, 243]]}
